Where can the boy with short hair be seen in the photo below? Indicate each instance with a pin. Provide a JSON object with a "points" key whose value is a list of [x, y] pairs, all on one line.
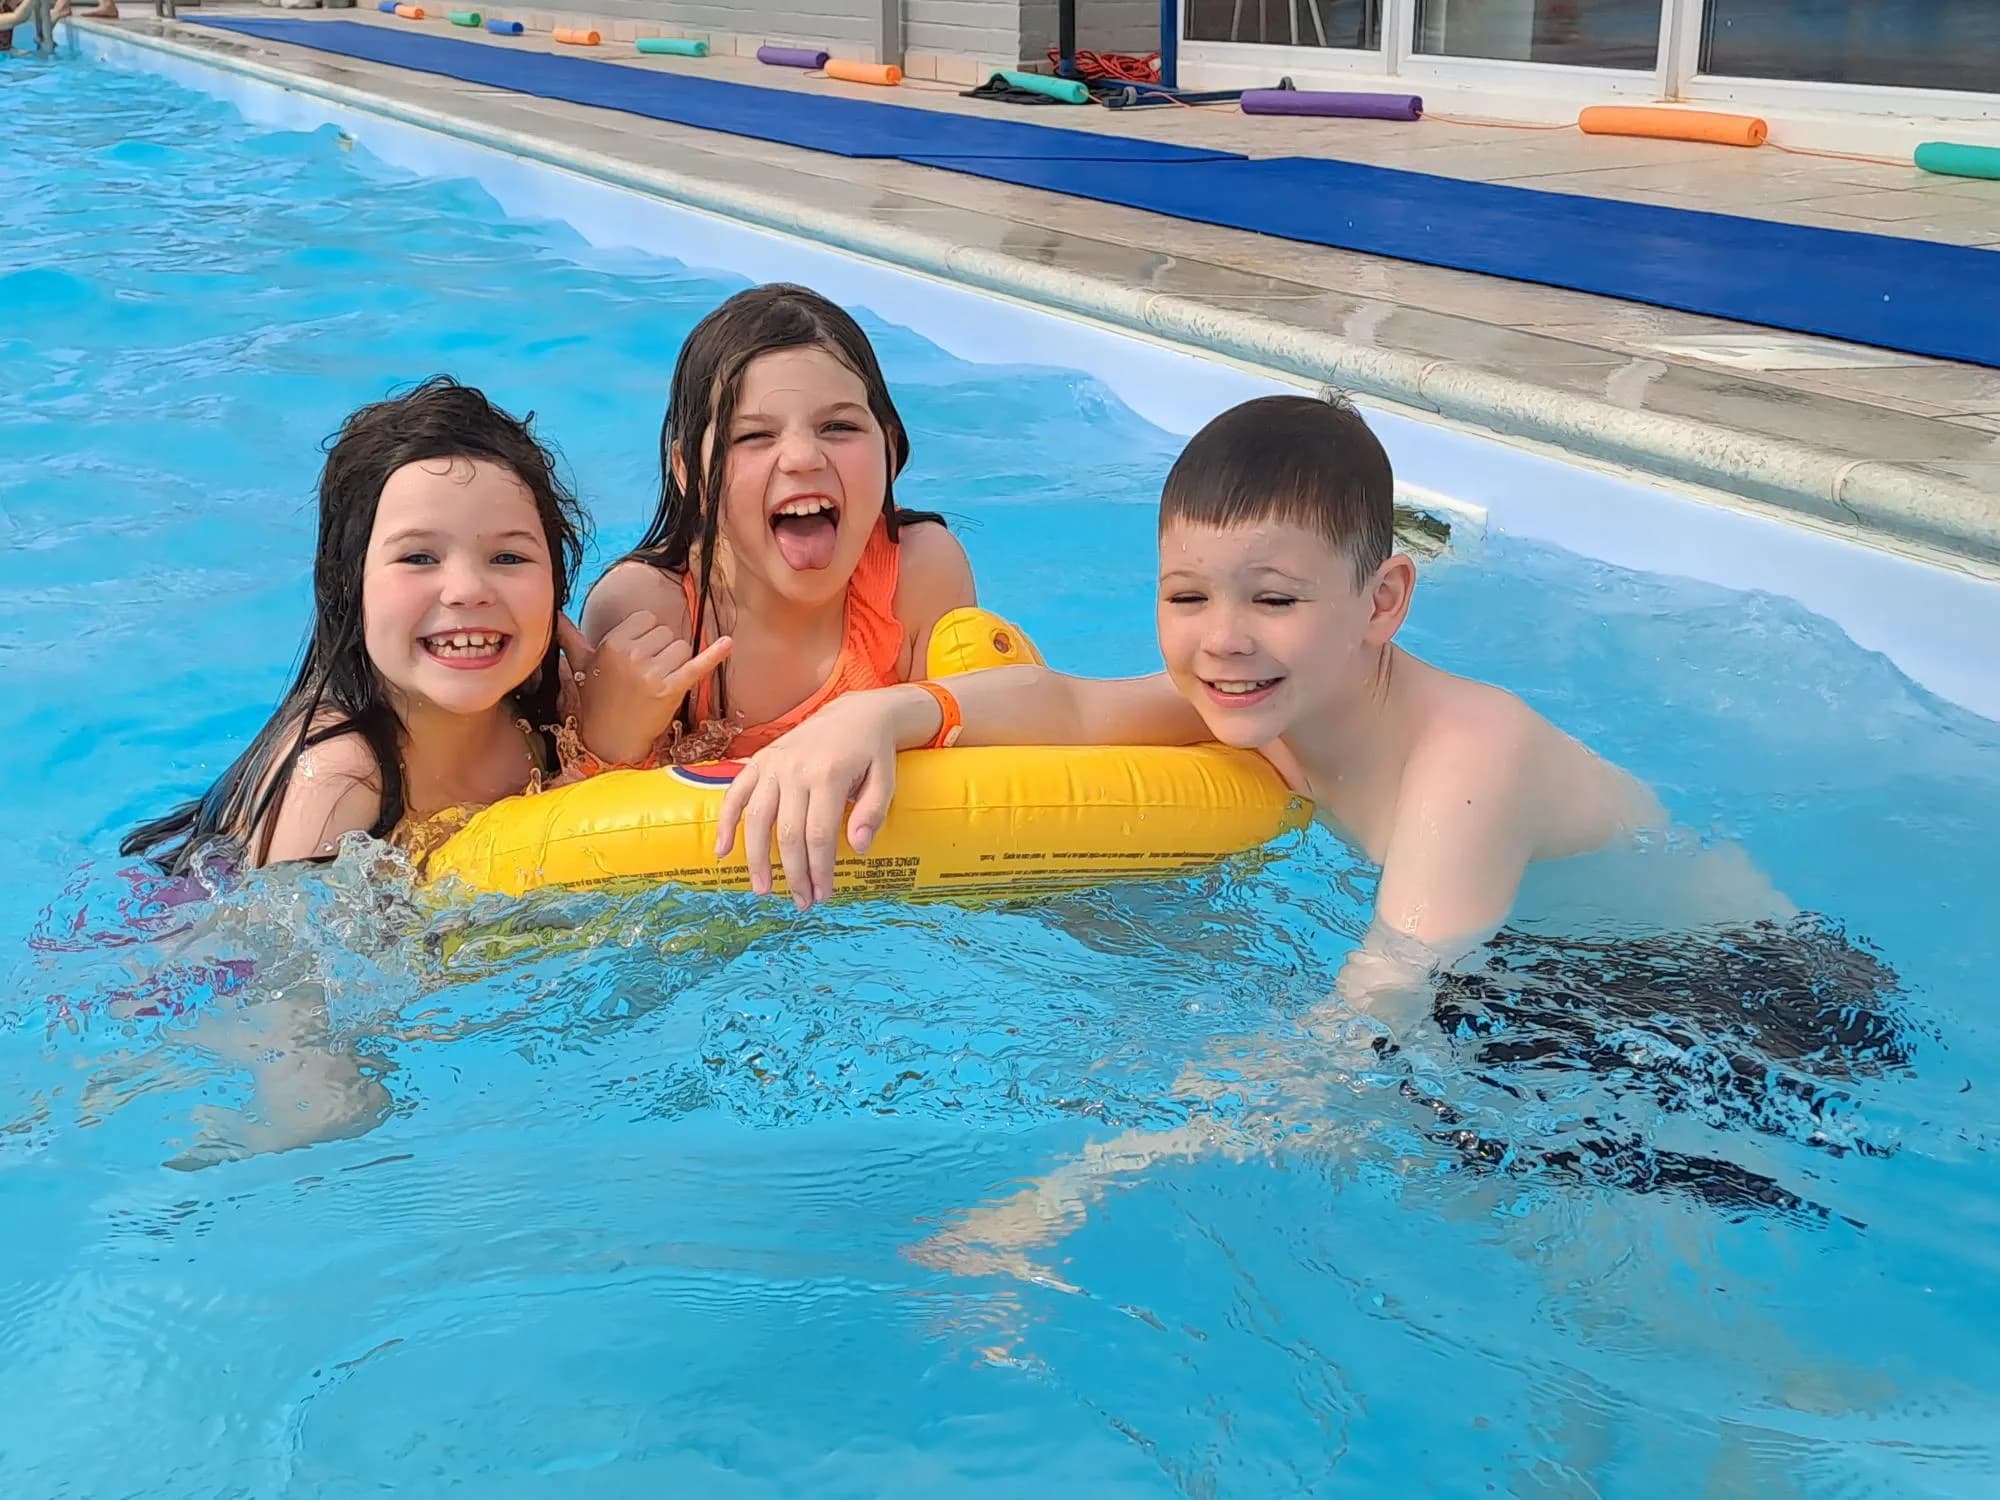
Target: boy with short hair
{"points": [[1280, 597], [1279, 602]]}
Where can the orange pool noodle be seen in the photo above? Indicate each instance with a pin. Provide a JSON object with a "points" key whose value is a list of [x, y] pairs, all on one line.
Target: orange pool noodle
{"points": [[1673, 124], [410, 12], [887, 75], [576, 36]]}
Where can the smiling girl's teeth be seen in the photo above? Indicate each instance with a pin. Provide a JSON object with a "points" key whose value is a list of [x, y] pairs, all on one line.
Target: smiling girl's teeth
{"points": [[465, 643], [1243, 687], [803, 508]]}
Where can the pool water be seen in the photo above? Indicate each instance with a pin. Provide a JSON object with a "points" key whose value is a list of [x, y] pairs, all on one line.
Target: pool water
{"points": [[662, 1194]]}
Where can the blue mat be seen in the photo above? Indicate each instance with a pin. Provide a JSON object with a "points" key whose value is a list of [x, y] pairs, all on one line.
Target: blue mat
{"points": [[1910, 295], [815, 122]]}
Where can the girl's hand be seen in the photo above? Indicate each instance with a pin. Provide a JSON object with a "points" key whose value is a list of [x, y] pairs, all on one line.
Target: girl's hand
{"points": [[797, 788], [630, 684]]}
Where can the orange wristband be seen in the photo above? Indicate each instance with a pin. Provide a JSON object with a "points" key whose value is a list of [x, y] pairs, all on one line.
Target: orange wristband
{"points": [[950, 722]]}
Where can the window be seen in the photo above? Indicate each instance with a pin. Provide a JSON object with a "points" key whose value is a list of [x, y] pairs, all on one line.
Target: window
{"points": [[1287, 23], [1925, 44], [1581, 33]]}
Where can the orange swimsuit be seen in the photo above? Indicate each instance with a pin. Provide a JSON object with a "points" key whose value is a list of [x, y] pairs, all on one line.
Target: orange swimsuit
{"points": [[871, 646]]}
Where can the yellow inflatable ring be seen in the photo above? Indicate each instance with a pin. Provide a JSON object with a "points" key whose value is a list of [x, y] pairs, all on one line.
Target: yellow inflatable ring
{"points": [[984, 821]]}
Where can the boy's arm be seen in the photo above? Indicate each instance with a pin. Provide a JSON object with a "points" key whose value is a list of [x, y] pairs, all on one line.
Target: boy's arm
{"points": [[1014, 706], [1457, 848], [1035, 706], [1462, 836], [798, 788]]}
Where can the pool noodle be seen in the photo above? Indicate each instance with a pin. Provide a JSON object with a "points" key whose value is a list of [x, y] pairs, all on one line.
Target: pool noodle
{"points": [[1673, 124], [576, 36], [791, 57], [1344, 106], [888, 75], [410, 12], [1069, 90], [463, 17], [672, 46], [1949, 159], [387, 7], [505, 28]]}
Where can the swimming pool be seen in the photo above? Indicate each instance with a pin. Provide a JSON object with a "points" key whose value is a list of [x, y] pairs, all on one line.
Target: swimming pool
{"points": [[622, 1196]]}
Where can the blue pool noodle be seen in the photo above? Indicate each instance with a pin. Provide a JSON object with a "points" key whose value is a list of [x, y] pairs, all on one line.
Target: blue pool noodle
{"points": [[504, 28], [387, 7]]}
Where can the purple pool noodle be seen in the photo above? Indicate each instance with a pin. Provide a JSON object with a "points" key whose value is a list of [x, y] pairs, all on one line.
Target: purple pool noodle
{"points": [[791, 57], [1349, 106]]}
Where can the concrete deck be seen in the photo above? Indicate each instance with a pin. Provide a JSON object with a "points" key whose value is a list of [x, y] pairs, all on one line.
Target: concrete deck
{"points": [[1894, 448]]}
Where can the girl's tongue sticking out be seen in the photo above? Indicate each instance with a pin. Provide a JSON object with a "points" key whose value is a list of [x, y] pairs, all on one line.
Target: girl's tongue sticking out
{"points": [[805, 530]]}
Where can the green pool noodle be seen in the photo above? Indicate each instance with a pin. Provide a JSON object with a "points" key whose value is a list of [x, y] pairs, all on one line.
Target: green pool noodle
{"points": [[1949, 160], [673, 46], [463, 17], [1066, 89]]}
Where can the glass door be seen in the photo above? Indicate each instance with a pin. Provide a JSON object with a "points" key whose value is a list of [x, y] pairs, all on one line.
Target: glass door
{"points": [[1519, 36], [1621, 34], [1912, 44], [1327, 27]]}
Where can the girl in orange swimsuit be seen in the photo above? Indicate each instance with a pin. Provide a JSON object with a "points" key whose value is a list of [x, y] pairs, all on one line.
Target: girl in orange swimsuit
{"points": [[778, 571]]}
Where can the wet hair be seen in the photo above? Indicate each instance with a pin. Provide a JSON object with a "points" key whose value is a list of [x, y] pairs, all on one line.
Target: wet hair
{"points": [[1309, 461], [707, 379], [337, 690]]}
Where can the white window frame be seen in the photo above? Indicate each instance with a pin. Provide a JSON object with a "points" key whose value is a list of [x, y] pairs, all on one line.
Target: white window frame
{"points": [[1675, 75]]}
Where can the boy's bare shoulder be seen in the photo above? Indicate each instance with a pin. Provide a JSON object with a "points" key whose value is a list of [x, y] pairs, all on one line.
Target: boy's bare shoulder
{"points": [[1475, 722], [1571, 799]]}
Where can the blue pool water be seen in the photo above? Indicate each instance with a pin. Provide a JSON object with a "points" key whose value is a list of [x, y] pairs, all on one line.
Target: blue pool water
{"points": [[637, 1196]]}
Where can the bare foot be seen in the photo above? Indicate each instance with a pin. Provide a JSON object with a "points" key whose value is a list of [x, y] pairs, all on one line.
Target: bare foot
{"points": [[994, 1238], [225, 1135], [950, 1253]]}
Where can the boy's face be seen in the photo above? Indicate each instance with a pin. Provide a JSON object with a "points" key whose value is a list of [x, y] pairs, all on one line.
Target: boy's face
{"points": [[1264, 630]]}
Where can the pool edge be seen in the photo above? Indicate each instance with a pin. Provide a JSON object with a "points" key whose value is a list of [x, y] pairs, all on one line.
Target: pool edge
{"points": [[1876, 503]]}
